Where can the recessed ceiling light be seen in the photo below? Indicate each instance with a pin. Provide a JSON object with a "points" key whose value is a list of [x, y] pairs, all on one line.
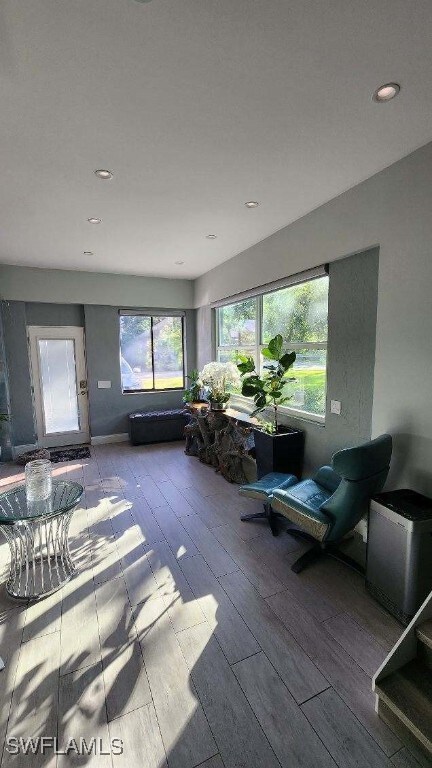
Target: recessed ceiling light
{"points": [[386, 92], [211, 237], [94, 221], [251, 204], [88, 253], [103, 174], [179, 262]]}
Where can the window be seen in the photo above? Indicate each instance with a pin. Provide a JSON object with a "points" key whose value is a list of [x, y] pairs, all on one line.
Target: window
{"points": [[237, 330], [151, 352], [299, 313]]}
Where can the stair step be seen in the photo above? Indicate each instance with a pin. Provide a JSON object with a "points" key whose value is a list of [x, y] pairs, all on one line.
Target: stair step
{"points": [[408, 693], [424, 633]]}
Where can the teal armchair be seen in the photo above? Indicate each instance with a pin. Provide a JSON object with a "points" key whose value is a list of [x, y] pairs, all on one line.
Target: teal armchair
{"points": [[326, 507]]}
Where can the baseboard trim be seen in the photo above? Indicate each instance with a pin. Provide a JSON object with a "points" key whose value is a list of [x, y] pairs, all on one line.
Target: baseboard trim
{"points": [[362, 529], [122, 437], [17, 450]]}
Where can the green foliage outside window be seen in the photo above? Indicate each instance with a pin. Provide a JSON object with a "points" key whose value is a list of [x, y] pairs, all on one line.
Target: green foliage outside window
{"points": [[299, 314], [238, 324], [151, 352]]}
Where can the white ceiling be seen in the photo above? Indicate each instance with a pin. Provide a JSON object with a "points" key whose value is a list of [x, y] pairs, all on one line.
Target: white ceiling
{"points": [[197, 106]]}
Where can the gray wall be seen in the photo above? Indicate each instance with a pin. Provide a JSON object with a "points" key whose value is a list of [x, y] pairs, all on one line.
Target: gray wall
{"points": [[353, 284], [54, 314], [109, 407], [205, 336], [17, 315], [393, 210], [18, 371], [4, 399], [57, 297], [353, 295], [70, 287]]}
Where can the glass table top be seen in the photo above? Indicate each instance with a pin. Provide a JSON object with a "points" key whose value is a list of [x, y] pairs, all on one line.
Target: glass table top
{"points": [[14, 507]]}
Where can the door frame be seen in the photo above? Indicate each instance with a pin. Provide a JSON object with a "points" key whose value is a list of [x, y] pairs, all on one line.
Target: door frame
{"points": [[58, 439]]}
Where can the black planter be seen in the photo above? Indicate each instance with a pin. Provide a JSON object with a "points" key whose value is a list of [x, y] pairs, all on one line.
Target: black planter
{"points": [[282, 452]]}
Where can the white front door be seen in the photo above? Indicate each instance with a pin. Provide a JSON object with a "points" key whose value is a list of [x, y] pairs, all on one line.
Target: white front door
{"points": [[59, 382]]}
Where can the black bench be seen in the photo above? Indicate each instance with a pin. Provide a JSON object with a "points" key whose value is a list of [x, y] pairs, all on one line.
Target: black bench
{"points": [[157, 426]]}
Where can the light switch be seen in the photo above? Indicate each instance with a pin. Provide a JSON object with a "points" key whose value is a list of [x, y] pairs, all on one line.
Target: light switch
{"points": [[335, 407], [104, 385]]}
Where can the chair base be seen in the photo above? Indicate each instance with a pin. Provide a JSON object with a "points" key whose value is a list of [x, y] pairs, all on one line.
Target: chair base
{"points": [[318, 550], [267, 514]]}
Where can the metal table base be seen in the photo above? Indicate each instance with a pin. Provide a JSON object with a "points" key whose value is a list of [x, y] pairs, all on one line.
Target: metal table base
{"points": [[40, 557]]}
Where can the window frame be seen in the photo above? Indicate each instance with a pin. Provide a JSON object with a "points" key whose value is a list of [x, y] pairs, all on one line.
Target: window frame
{"points": [[151, 315], [258, 324], [259, 345]]}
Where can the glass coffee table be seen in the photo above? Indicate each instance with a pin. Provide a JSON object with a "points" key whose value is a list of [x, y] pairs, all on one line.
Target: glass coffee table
{"points": [[37, 534]]}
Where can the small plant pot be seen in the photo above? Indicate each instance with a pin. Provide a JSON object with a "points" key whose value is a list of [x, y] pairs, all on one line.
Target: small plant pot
{"points": [[217, 406], [280, 452]]}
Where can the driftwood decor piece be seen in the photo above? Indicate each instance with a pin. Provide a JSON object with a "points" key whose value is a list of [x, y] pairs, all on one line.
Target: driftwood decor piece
{"points": [[219, 439]]}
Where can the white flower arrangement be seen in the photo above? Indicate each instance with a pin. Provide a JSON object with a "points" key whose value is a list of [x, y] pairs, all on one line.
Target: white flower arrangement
{"points": [[220, 378]]}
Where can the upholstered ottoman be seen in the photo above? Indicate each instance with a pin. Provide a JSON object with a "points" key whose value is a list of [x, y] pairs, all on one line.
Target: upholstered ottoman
{"points": [[157, 426]]}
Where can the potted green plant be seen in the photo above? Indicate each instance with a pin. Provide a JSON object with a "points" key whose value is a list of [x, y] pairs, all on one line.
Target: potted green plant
{"points": [[220, 379], [278, 448], [193, 393]]}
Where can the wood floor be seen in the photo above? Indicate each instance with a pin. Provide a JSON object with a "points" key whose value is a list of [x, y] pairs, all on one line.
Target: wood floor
{"points": [[186, 635]]}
